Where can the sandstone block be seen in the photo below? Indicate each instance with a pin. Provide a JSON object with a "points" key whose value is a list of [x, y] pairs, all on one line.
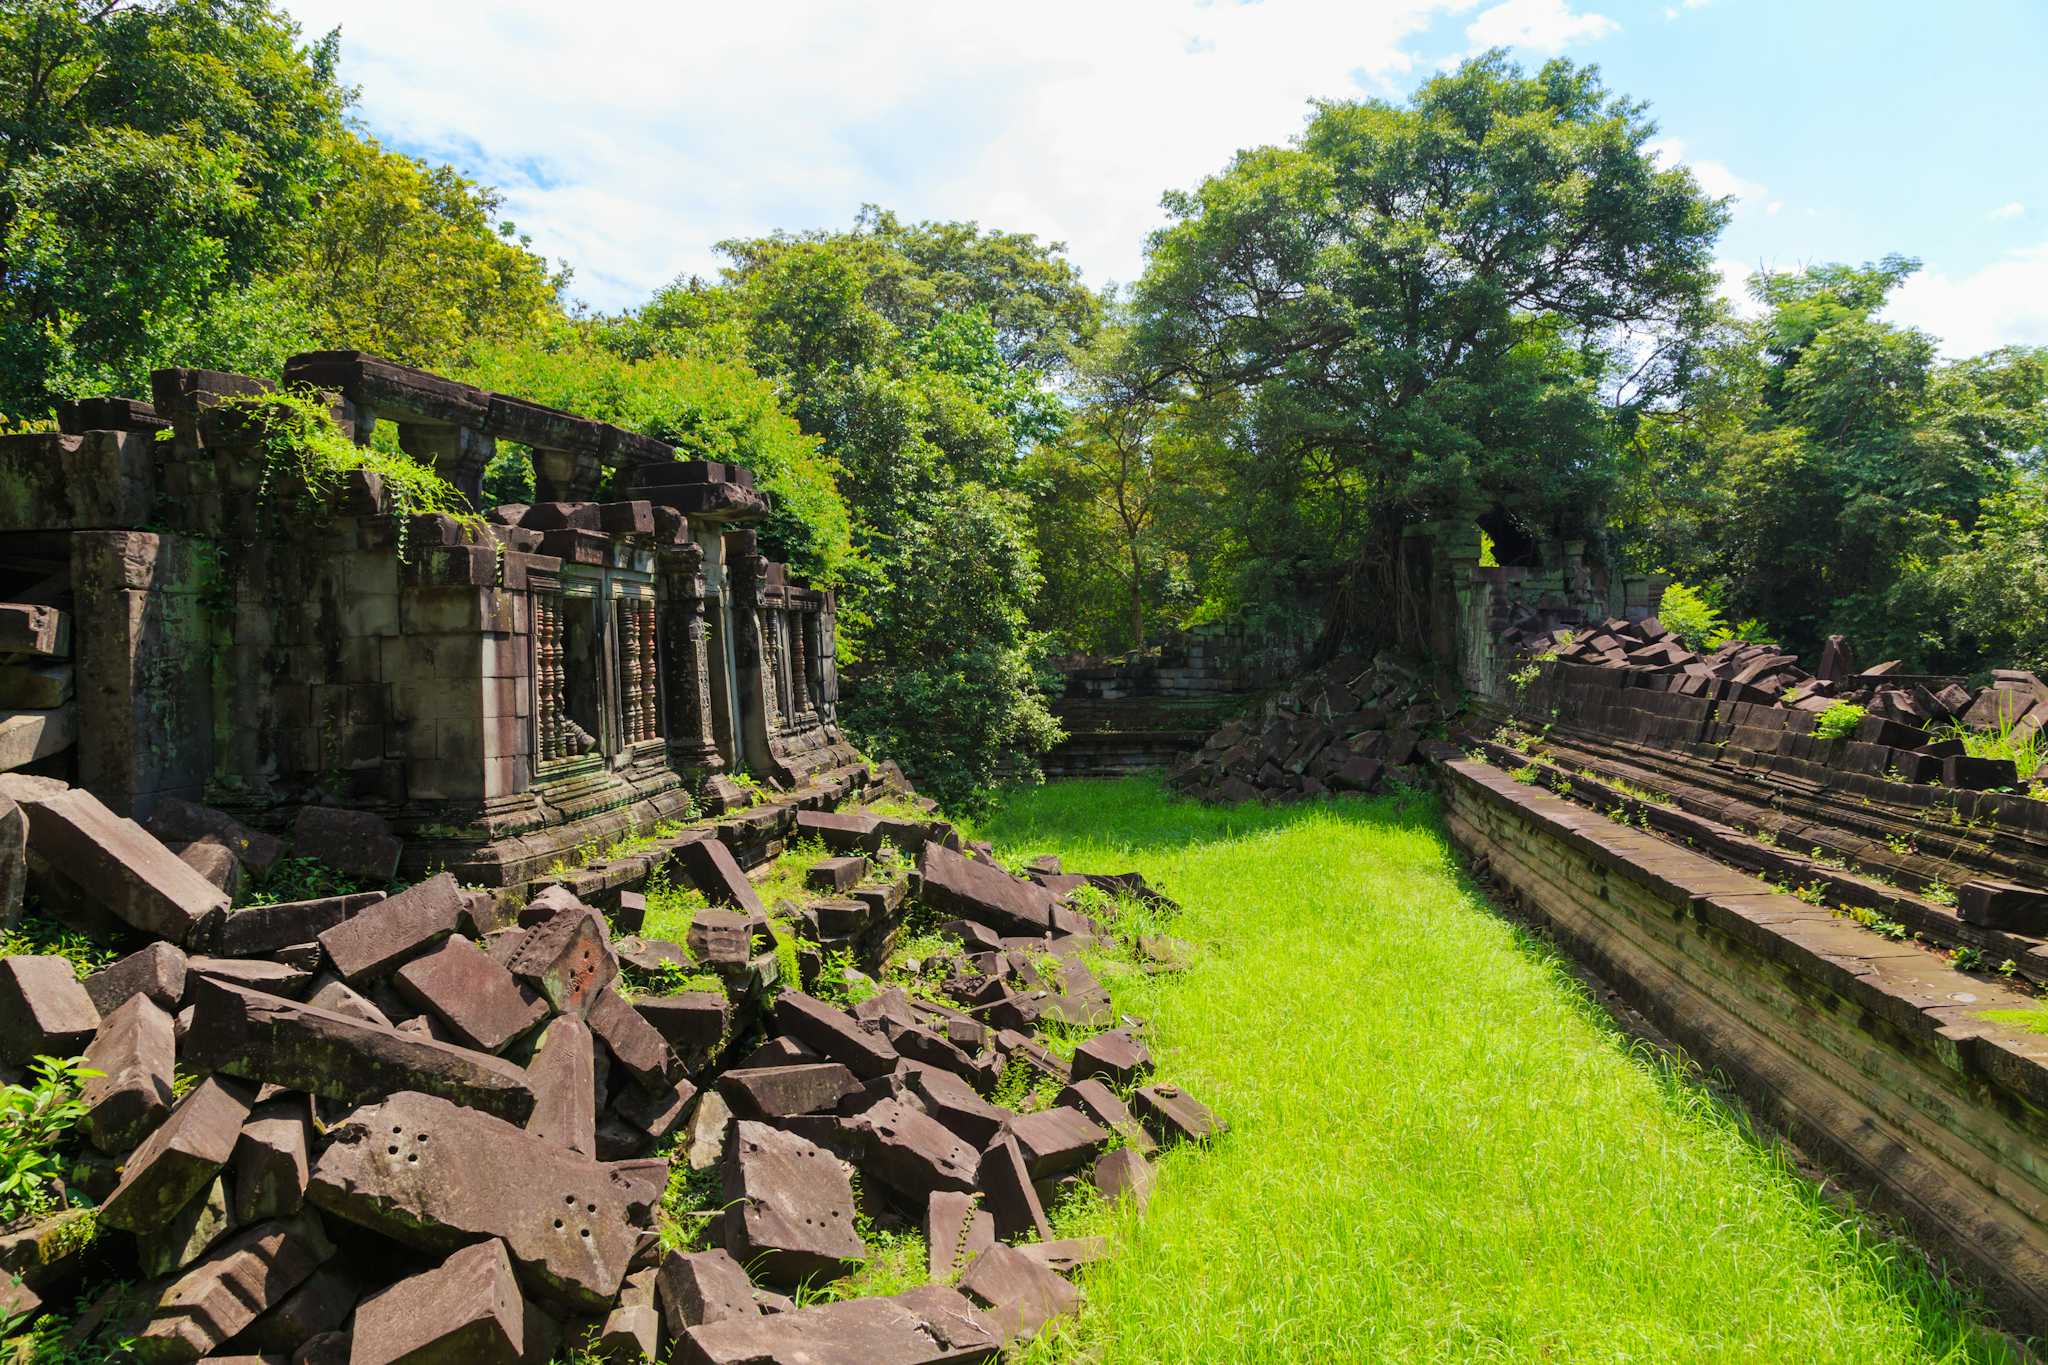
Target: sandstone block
{"points": [[355, 843], [567, 959], [835, 1034], [216, 1299], [258, 929], [712, 870], [44, 1012], [475, 998], [563, 1074], [378, 938], [771, 1092], [790, 1206], [633, 1043], [157, 971], [115, 865], [135, 1052], [694, 1289], [468, 1309], [956, 1230], [924, 1326], [180, 1158], [272, 1160], [912, 1152], [1021, 1295]]}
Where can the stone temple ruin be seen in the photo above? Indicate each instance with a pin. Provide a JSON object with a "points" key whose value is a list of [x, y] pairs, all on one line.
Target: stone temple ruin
{"points": [[481, 1111], [498, 699]]}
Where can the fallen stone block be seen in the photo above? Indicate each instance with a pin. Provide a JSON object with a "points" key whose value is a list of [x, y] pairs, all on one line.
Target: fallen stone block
{"points": [[177, 821], [355, 843], [248, 1275], [709, 1122], [213, 860], [163, 1252], [256, 973], [135, 1052], [840, 833], [633, 1043], [836, 874], [955, 1103], [567, 959], [1068, 1254], [712, 870], [1116, 1056], [651, 956], [300, 1047], [375, 940], [771, 1092], [695, 1289], [631, 1332], [433, 1175], [1172, 1115], [1095, 1099], [259, 929], [835, 1034], [273, 1160], [693, 1022], [789, 1208], [1055, 1141], [467, 1309], [563, 1074], [923, 1326], [652, 1115], [180, 1158], [44, 1012], [958, 885], [911, 1152], [36, 686], [720, 938], [31, 628], [28, 736], [321, 1305], [87, 853], [956, 1230], [1007, 1193], [2003, 905], [1021, 1295], [478, 1001], [332, 994], [157, 971]]}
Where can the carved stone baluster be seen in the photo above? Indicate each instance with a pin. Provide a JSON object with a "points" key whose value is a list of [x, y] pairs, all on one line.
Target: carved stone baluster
{"points": [[650, 677]]}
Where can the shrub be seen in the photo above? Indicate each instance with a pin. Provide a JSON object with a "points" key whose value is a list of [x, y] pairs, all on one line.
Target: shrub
{"points": [[35, 1120], [1686, 613], [1838, 721]]}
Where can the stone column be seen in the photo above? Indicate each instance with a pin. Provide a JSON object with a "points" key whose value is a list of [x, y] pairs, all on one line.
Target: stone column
{"points": [[565, 476], [684, 641], [458, 454]]}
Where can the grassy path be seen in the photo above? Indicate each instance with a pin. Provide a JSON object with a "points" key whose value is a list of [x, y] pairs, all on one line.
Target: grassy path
{"points": [[1440, 1149]]}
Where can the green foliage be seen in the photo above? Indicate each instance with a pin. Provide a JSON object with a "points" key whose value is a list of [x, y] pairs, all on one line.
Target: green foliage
{"points": [[156, 159], [298, 879], [1838, 721], [35, 936], [1413, 310], [36, 1124], [1688, 615]]}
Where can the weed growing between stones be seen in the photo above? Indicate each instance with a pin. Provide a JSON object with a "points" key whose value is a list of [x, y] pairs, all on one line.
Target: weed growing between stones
{"points": [[38, 1123], [35, 936]]}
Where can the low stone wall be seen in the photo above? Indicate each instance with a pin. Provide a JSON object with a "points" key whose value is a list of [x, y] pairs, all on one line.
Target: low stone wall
{"points": [[1872, 1054]]}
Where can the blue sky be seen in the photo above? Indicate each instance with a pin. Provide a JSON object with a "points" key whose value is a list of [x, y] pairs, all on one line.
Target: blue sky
{"points": [[628, 138]]}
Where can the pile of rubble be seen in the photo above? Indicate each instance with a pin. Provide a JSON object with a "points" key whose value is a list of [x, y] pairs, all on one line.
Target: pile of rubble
{"points": [[438, 1125], [1903, 713], [1340, 728]]}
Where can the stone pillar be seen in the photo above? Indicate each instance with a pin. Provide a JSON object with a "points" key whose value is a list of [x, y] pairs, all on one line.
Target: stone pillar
{"points": [[458, 454], [565, 476], [686, 664]]}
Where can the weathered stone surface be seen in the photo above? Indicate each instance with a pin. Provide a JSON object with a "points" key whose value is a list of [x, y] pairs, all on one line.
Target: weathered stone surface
{"points": [[836, 874], [1096, 1100], [466, 1311], [693, 1022], [266, 928], [1115, 1056], [322, 1304], [44, 1012], [835, 1034], [376, 939], [332, 994], [157, 971], [563, 1074], [432, 1174], [1007, 1192], [273, 1160], [30, 628], [36, 686], [475, 998], [708, 1124], [653, 1114], [956, 1230], [135, 1052], [227, 1291], [911, 1152], [853, 833], [355, 843], [953, 1102], [930, 1325], [301, 1047], [1068, 1254], [2003, 905], [185, 1237], [957, 885], [698, 1288], [649, 956], [720, 938], [114, 864], [567, 959], [328, 1348], [26, 736], [1021, 1295], [712, 870], [790, 1206], [213, 860], [177, 821], [1172, 1115], [633, 1043], [256, 973], [179, 1159], [778, 1091], [13, 859], [631, 1332], [1055, 1141]]}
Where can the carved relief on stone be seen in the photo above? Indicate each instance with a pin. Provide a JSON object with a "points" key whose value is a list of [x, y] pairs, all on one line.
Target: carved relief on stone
{"points": [[550, 710]]}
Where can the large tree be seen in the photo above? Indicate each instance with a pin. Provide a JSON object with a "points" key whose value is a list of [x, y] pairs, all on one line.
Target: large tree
{"points": [[1430, 310], [155, 159]]}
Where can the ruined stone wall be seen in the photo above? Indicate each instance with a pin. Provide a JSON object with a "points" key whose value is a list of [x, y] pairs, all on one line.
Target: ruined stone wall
{"points": [[1873, 1053]]}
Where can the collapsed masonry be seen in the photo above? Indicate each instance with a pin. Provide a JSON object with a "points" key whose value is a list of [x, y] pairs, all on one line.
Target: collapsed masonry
{"points": [[448, 1125], [176, 627]]}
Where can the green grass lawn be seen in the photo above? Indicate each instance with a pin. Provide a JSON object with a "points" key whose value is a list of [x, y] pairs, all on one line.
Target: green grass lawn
{"points": [[1440, 1149]]}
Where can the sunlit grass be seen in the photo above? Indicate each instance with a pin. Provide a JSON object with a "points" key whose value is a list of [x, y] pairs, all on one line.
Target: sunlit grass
{"points": [[1439, 1148]]}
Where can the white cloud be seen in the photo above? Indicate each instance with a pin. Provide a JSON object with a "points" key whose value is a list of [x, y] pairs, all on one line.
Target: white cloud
{"points": [[1715, 177], [2002, 304], [2007, 211], [629, 137], [1734, 287], [1542, 25]]}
